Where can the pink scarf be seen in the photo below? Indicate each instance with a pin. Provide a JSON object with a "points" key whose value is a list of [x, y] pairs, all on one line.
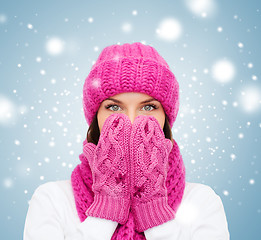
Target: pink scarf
{"points": [[81, 179]]}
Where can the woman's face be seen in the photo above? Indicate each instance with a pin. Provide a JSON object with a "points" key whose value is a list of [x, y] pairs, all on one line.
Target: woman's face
{"points": [[130, 103]]}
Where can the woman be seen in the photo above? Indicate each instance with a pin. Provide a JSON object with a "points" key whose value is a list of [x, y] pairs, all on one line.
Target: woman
{"points": [[130, 183]]}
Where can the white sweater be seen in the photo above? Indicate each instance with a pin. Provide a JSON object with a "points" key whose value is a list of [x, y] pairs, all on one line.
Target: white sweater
{"points": [[52, 215]]}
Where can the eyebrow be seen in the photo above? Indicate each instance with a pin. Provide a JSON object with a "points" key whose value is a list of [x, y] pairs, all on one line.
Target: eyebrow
{"points": [[118, 101]]}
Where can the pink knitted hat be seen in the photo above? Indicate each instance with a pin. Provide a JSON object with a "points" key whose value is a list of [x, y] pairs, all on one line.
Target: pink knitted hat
{"points": [[130, 68]]}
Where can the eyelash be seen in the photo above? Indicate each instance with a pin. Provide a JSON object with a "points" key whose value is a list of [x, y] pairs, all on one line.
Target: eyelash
{"points": [[110, 105]]}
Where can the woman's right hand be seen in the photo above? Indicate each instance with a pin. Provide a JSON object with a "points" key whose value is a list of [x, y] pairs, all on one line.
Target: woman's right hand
{"points": [[109, 163]]}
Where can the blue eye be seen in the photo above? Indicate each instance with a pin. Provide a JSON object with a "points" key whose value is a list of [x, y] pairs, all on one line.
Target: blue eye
{"points": [[151, 105], [111, 105]]}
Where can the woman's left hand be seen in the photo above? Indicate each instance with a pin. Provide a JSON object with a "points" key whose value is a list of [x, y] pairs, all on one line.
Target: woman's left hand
{"points": [[149, 152]]}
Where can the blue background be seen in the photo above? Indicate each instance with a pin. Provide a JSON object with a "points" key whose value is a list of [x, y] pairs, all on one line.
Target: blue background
{"points": [[47, 119]]}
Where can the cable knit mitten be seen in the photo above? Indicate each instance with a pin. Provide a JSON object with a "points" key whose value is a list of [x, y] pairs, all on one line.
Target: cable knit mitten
{"points": [[109, 163], [149, 152]]}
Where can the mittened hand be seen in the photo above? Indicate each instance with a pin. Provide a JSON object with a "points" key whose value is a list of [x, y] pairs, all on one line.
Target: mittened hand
{"points": [[109, 163], [129, 167], [149, 152]]}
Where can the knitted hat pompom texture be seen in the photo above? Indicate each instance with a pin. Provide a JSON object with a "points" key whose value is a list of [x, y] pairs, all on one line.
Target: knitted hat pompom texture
{"points": [[130, 67]]}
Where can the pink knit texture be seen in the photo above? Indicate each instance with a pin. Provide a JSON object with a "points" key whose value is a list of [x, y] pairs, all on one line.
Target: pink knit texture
{"points": [[109, 162], [149, 152], [161, 203], [134, 67]]}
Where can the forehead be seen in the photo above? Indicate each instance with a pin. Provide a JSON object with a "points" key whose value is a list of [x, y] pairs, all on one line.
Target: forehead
{"points": [[131, 96], [127, 101]]}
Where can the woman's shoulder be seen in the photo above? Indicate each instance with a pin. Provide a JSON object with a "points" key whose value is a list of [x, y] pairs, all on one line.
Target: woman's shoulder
{"points": [[193, 188], [55, 189], [199, 193], [198, 200], [63, 184]]}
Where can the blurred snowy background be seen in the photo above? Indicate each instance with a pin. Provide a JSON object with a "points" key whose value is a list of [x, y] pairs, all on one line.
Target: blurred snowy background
{"points": [[47, 49]]}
